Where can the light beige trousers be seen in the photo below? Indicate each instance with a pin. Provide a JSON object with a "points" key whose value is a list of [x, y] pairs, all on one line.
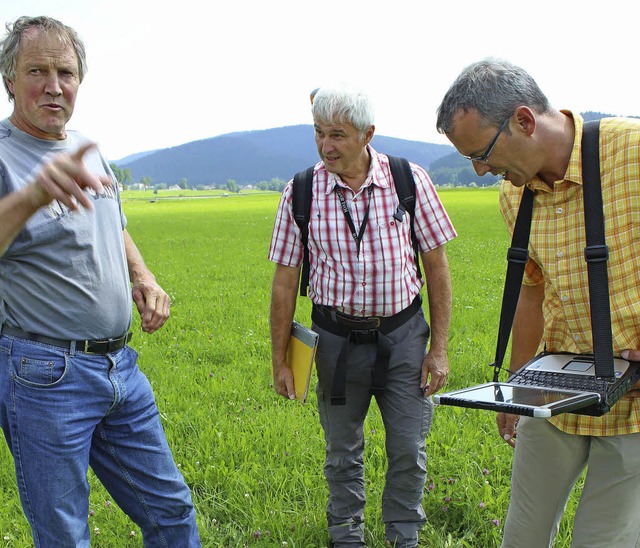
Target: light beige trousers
{"points": [[546, 465]]}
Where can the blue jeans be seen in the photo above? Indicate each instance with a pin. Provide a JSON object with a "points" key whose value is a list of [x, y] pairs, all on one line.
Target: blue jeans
{"points": [[62, 411]]}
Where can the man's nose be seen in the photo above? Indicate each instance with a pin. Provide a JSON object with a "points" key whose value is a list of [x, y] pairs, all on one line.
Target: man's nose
{"points": [[52, 86], [327, 145], [481, 168]]}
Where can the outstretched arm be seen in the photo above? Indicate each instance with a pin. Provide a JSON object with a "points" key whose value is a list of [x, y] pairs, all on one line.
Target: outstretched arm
{"points": [[65, 178]]}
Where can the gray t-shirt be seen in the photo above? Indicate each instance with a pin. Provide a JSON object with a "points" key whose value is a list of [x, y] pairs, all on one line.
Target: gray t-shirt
{"points": [[66, 274]]}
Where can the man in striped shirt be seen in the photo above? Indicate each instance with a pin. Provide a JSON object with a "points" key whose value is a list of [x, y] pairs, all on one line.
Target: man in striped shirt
{"points": [[497, 104], [367, 309]]}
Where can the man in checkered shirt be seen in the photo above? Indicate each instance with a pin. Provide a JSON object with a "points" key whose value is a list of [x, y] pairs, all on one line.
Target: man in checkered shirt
{"points": [[496, 115], [365, 289]]}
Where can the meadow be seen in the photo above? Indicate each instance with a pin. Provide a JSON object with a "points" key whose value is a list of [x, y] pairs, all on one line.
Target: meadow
{"points": [[253, 459]]}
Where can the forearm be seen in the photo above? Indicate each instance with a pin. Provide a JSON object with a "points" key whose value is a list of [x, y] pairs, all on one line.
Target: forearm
{"points": [[528, 325], [283, 305], [439, 294], [64, 178], [137, 267]]}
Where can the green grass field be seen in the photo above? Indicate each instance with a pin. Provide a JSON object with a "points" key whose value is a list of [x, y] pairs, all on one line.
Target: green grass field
{"points": [[253, 459]]}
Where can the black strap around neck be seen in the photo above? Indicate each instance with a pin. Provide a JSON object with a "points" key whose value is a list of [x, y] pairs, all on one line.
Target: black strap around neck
{"points": [[596, 254], [357, 236]]}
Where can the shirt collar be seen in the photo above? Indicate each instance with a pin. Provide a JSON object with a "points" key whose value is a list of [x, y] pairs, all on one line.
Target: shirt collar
{"points": [[574, 169], [375, 176]]}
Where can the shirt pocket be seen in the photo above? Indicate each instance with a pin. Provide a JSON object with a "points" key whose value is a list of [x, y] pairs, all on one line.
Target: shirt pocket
{"points": [[389, 243]]}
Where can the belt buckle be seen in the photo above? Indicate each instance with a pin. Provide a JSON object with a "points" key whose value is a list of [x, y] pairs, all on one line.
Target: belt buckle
{"points": [[98, 342], [86, 349], [375, 320], [111, 345]]}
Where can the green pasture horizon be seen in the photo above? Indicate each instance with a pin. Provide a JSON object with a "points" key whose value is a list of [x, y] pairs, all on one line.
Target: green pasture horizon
{"points": [[253, 459]]}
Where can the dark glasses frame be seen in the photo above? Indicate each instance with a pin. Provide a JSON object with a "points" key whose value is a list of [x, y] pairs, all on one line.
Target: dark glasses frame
{"points": [[482, 159]]}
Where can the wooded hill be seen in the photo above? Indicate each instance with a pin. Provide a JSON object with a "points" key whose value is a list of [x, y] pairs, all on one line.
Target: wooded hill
{"points": [[252, 157]]}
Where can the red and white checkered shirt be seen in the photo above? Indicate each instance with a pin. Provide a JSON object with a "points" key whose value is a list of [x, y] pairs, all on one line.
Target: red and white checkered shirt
{"points": [[382, 280]]}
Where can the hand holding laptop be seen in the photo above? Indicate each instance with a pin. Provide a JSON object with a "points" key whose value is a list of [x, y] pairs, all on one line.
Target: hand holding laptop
{"points": [[634, 356]]}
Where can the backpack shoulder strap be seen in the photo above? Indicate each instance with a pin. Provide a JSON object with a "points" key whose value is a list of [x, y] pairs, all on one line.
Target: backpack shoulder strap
{"points": [[301, 201], [596, 253], [406, 191]]}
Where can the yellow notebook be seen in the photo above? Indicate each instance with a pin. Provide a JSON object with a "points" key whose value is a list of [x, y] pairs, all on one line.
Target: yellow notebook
{"points": [[300, 355]]}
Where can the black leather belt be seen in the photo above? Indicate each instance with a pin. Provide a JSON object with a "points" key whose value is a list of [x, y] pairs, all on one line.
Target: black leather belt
{"points": [[101, 346], [338, 323], [365, 330]]}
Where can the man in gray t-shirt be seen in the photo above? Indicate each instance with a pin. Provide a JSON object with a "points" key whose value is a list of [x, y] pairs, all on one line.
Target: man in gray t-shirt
{"points": [[71, 394]]}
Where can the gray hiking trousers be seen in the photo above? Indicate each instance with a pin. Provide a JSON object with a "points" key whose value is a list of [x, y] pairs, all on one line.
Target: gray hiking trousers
{"points": [[407, 418]]}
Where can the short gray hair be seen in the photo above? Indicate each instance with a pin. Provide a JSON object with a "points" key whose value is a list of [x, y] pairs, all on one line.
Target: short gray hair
{"points": [[493, 87], [343, 104], [10, 44]]}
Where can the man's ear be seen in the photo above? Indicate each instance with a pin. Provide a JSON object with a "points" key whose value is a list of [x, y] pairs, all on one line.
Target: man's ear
{"points": [[9, 85], [526, 119], [368, 135]]}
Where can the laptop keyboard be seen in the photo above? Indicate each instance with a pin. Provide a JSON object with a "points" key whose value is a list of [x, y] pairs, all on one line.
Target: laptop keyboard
{"points": [[557, 380]]}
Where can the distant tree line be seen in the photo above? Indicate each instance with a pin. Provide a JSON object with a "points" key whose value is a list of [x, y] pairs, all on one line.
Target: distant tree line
{"points": [[455, 170], [274, 184], [123, 176]]}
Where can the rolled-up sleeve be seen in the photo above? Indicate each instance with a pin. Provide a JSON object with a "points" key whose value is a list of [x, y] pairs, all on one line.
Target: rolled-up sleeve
{"points": [[286, 245]]}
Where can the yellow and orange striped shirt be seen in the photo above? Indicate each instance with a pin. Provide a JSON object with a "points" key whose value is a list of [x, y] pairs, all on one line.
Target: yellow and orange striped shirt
{"points": [[556, 257]]}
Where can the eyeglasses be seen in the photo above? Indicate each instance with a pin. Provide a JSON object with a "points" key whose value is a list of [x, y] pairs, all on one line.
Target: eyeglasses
{"points": [[482, 159]]}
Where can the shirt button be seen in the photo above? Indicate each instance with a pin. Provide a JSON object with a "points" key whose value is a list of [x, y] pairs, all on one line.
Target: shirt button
{"points": [[364, 283], [576, 337], [565, 298], [560, 254], [559, 210]]}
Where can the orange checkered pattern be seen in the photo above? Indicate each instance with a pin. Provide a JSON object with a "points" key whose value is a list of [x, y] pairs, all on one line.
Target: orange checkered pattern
{"points": [[556, 252]]}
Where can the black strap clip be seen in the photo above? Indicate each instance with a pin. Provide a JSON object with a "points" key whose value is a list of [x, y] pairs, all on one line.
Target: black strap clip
{"points": [[517, 255], [399, 214], [364, 336], [596, 253]]}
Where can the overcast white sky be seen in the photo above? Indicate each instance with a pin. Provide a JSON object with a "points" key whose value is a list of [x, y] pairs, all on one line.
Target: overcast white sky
{"points": [[165, 73]]}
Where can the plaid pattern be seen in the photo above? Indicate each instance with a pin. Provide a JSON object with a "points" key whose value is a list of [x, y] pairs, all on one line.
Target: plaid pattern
{"points": [[382, 281], [557, 257]]}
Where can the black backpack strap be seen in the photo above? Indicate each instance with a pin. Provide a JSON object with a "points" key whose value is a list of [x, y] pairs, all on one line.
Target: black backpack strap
{"points": [[301, 202], [596, 253], [406, 191], [517, 257]]}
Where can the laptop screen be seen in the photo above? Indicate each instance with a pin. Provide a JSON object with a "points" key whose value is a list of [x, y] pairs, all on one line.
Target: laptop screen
{"points": [[534, 401]]}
